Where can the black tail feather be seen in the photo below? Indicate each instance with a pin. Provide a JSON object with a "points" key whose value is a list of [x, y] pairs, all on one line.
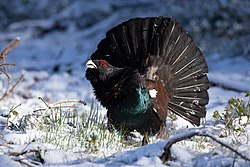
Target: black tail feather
{"points": [[180, 63]]}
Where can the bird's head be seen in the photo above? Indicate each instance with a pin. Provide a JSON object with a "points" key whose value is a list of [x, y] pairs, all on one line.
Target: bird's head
{"points": [[100, 70]]}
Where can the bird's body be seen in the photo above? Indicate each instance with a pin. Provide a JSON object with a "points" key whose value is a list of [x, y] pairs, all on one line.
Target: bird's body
{"points": [[145, 67]]}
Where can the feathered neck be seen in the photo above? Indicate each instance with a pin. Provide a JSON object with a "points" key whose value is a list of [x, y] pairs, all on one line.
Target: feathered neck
{"points": [[124, 92]]}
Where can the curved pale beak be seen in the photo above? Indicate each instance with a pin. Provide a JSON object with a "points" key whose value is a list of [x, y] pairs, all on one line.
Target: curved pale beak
{"points": [[91, 64]]}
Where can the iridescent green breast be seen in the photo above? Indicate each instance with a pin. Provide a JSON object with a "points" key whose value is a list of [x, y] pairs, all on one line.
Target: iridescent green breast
{"points": [[130, 108]]}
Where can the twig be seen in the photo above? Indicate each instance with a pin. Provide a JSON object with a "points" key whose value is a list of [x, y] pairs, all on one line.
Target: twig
{"points": [[182, 136], [10, 90], [6, 74], [15, 107], [7, 64], [225, 145], [11, 110], [55, 105], [4, 70], [6, 91], [37, 110], [24, 161], [9, 47], [15, 154], [27, 161], [197, 132], [19, 156], [69, 101], [20, 79], [40, 119], [44, 102]]}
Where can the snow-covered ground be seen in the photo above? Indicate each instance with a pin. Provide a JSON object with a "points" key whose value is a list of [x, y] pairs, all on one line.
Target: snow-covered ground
{"points": [[52, 54]]}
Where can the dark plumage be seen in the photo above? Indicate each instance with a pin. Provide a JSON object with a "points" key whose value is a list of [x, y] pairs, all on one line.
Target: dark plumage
{"points": [[145, 67]]}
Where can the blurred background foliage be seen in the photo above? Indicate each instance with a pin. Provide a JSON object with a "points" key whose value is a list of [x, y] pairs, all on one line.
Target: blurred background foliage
{"points": [[218, 26]]}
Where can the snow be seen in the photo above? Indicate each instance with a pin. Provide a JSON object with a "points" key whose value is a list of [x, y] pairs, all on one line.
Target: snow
{"points": [[55, 46], [232, 73], [7, 161], [182, 155]]}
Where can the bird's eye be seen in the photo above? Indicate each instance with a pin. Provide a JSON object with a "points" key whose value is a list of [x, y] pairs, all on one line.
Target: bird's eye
{"points": [[103, 63]]}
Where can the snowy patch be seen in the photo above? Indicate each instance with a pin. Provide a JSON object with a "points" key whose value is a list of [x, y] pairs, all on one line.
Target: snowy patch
{"points": [[52, 55]]}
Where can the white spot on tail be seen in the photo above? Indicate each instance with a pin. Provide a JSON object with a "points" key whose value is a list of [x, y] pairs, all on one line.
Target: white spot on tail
{"points": [[155, 110], [195, 102], [153, 93], [192, 112], [181, 103]]}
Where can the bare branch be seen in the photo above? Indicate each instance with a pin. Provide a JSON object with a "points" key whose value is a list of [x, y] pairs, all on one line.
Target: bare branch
{"points": [[11, 89], [26, 161], [6, 91], [41, 109], [22, 153], [40, 98], [225, 145], [195, 132], [7, 64], [20, 79], [6, 74], [4, 67], [40, 119], [9, 47], [179, 137]]}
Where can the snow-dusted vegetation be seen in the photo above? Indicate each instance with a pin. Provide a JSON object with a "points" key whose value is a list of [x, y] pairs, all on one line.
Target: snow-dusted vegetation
{"points": [[48, 115]]}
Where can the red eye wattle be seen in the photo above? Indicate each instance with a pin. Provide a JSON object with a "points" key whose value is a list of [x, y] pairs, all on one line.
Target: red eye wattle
{"points": [[103, 63]]}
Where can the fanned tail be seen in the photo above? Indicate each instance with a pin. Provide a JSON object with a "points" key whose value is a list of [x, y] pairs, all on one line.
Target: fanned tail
{"points": [[187, 82], [161, 50]]}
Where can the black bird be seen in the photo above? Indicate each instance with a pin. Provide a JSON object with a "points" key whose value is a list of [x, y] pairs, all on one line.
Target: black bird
{"points": [[145, 67]]}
